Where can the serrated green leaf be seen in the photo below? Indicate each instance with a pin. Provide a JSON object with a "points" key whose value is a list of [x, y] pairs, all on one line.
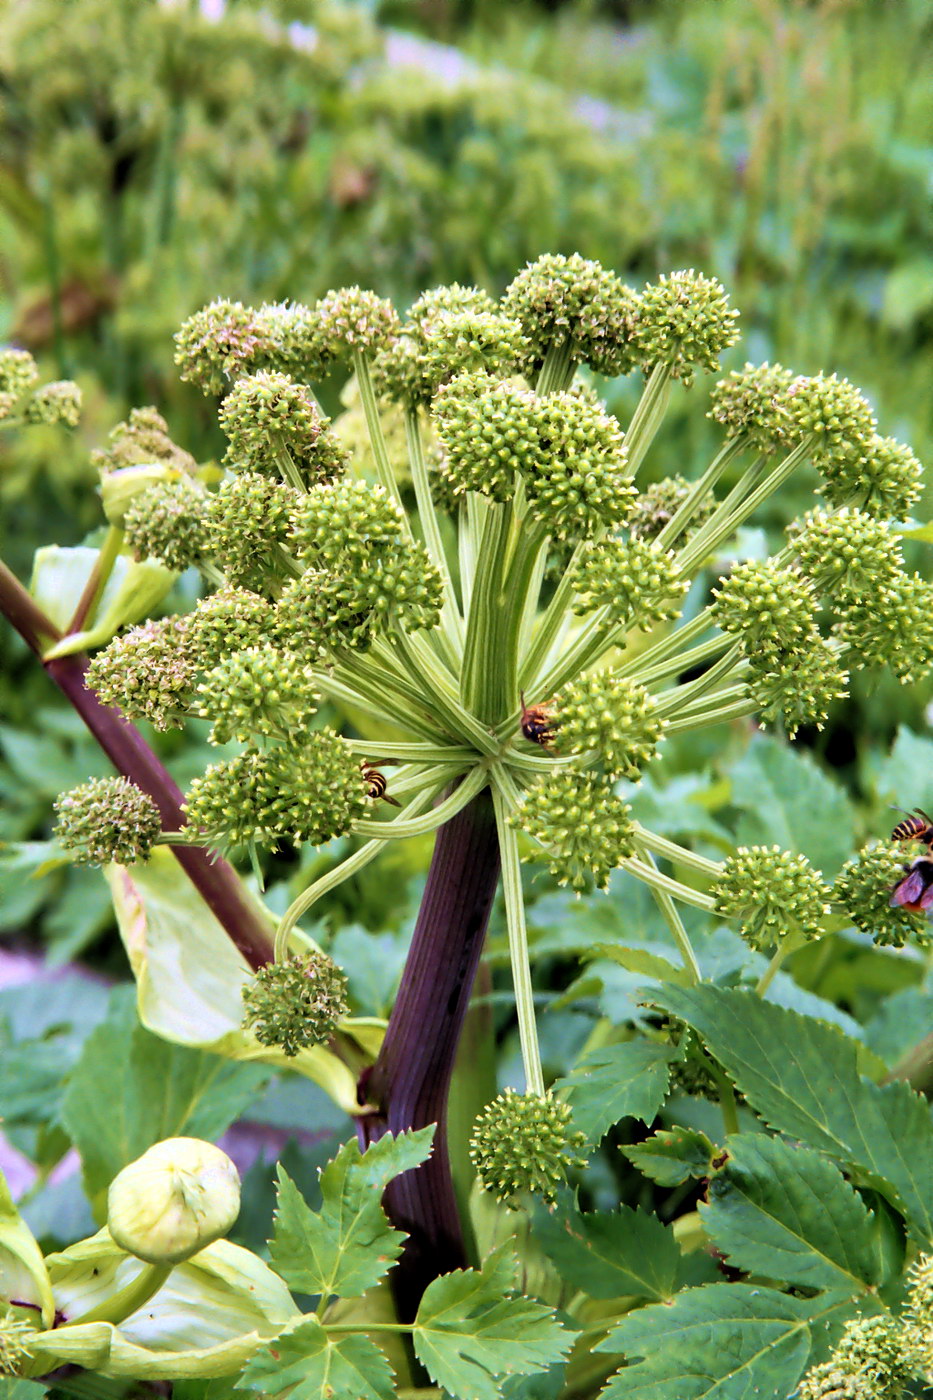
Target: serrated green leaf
{"points": [[130, 1089], [901, 1022], [671, 1157], [785, 797], [724, 1341], [311, 1365], [628, 1080], [640, 960], [802, 1077], [467, 1335], [609, 1255], [788, 1213], [348, 1245]]}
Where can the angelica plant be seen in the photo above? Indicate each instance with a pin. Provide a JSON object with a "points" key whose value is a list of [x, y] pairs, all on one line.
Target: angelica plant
{"points": [[518, 626]]}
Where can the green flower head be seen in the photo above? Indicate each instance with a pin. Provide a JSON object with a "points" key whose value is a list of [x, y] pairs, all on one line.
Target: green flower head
{"points": [[585, 829], [57, 402], [168, 522], [149, 672], [258, 691], [576, 304], [612, 717], [869, 1363], [684, 322], [297, 1003], [269, 414], [352, 319], [752, 404], [248, 525], [773, 893], [220, 343], [524, 1143], [863, 890], [107, 819], [633, 579], [768, 608]]}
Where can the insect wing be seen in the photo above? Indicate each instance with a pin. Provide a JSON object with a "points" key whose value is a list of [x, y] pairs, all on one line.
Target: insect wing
{"points": [[910, 890]]}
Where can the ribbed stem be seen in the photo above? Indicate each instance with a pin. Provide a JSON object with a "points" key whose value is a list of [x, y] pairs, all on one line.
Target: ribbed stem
{"points": [[411, 1077]]}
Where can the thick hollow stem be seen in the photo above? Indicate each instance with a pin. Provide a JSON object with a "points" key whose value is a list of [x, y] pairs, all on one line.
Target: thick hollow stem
{"points": [[410, 1080]]}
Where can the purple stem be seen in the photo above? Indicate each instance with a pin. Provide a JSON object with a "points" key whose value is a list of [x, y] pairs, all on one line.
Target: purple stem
{"points": [[215, 880], [411, 1078]]}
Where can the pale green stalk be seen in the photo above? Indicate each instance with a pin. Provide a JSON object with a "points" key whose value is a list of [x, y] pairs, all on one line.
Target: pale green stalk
{"points": [[672, 644], [740, 710], [424, 666], [376, 435], [670, 850], [648, 416], [557, 370], [400, 828], [518, 942], [688, 507], [482, 687], [286, 464], [653, 877], [392, 752], [787, 945], [451, 621], [672, 919], [684, 697]]}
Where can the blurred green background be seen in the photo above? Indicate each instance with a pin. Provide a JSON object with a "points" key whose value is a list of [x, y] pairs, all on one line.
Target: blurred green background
{"points": [[154, 156]]}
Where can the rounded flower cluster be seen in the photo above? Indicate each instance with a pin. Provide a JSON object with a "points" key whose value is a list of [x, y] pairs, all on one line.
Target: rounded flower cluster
{"points": [[226, 621], [658, 504], [18, 373], [611, 716], [168, 522], [869, 1363], [575, 304], [800, 687], [768, 608], [684, 322], [917, 1318], [57, 402], [269, 413], [15, 1333], [890, 478], [258, 691], [219, 343], [311, 794], [296, 1003], [348, 608], [294, 339], [141, 440], [774, 893], [634, 579], [752, 404], [845, 550], [568, 450], [248, 525], [840, 421], [352, 319], [149, 672], [107, 819], [344, 521], [585, 829], [525, 1143], [892, 627], [863, 890]]}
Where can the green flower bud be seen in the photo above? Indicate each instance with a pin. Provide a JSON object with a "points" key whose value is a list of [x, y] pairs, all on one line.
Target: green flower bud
{"points": [[344, 521], [107, 819], [583, 826], [752, 404], [268, 412], [296, 1003], [917, 1318], [295, 340], [57, 402], [576, 303], [774, 893], [248, 524], [891, 478], [684, 322], [260, 798], [633, 579], [842, 425], [799, 687], [258, 691], [149, 672], [220, 343], [168, 522], [488, 431], [869, 1363], [18, 373], [229, 620], [524, 1143], [768, 608], [658, 503], [349, 608], [143, 440], [611, 716], [16, 1335], [845, 551], [173, 1201], [863, 889], [353, 319], [892, 627]]}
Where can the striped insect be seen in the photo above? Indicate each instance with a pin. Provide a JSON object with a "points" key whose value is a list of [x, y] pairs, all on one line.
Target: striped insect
{"points": [[536, 723], [915, 891], [376, 784], [916, 826]]}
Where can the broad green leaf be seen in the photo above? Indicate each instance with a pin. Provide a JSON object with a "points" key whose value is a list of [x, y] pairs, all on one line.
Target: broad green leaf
{"points": [[901, 1022], [23, 1272], [130, 1089], [724, 1341], [905, 775], [467, 1335], [628, 1080], [671, 1157], [802, 1077], [11, 1389], [788, 1213], [59, 577], [348, 1245], [641, 960], [608, 1255], [311, 1365], [172, 939], [785, 797]]}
